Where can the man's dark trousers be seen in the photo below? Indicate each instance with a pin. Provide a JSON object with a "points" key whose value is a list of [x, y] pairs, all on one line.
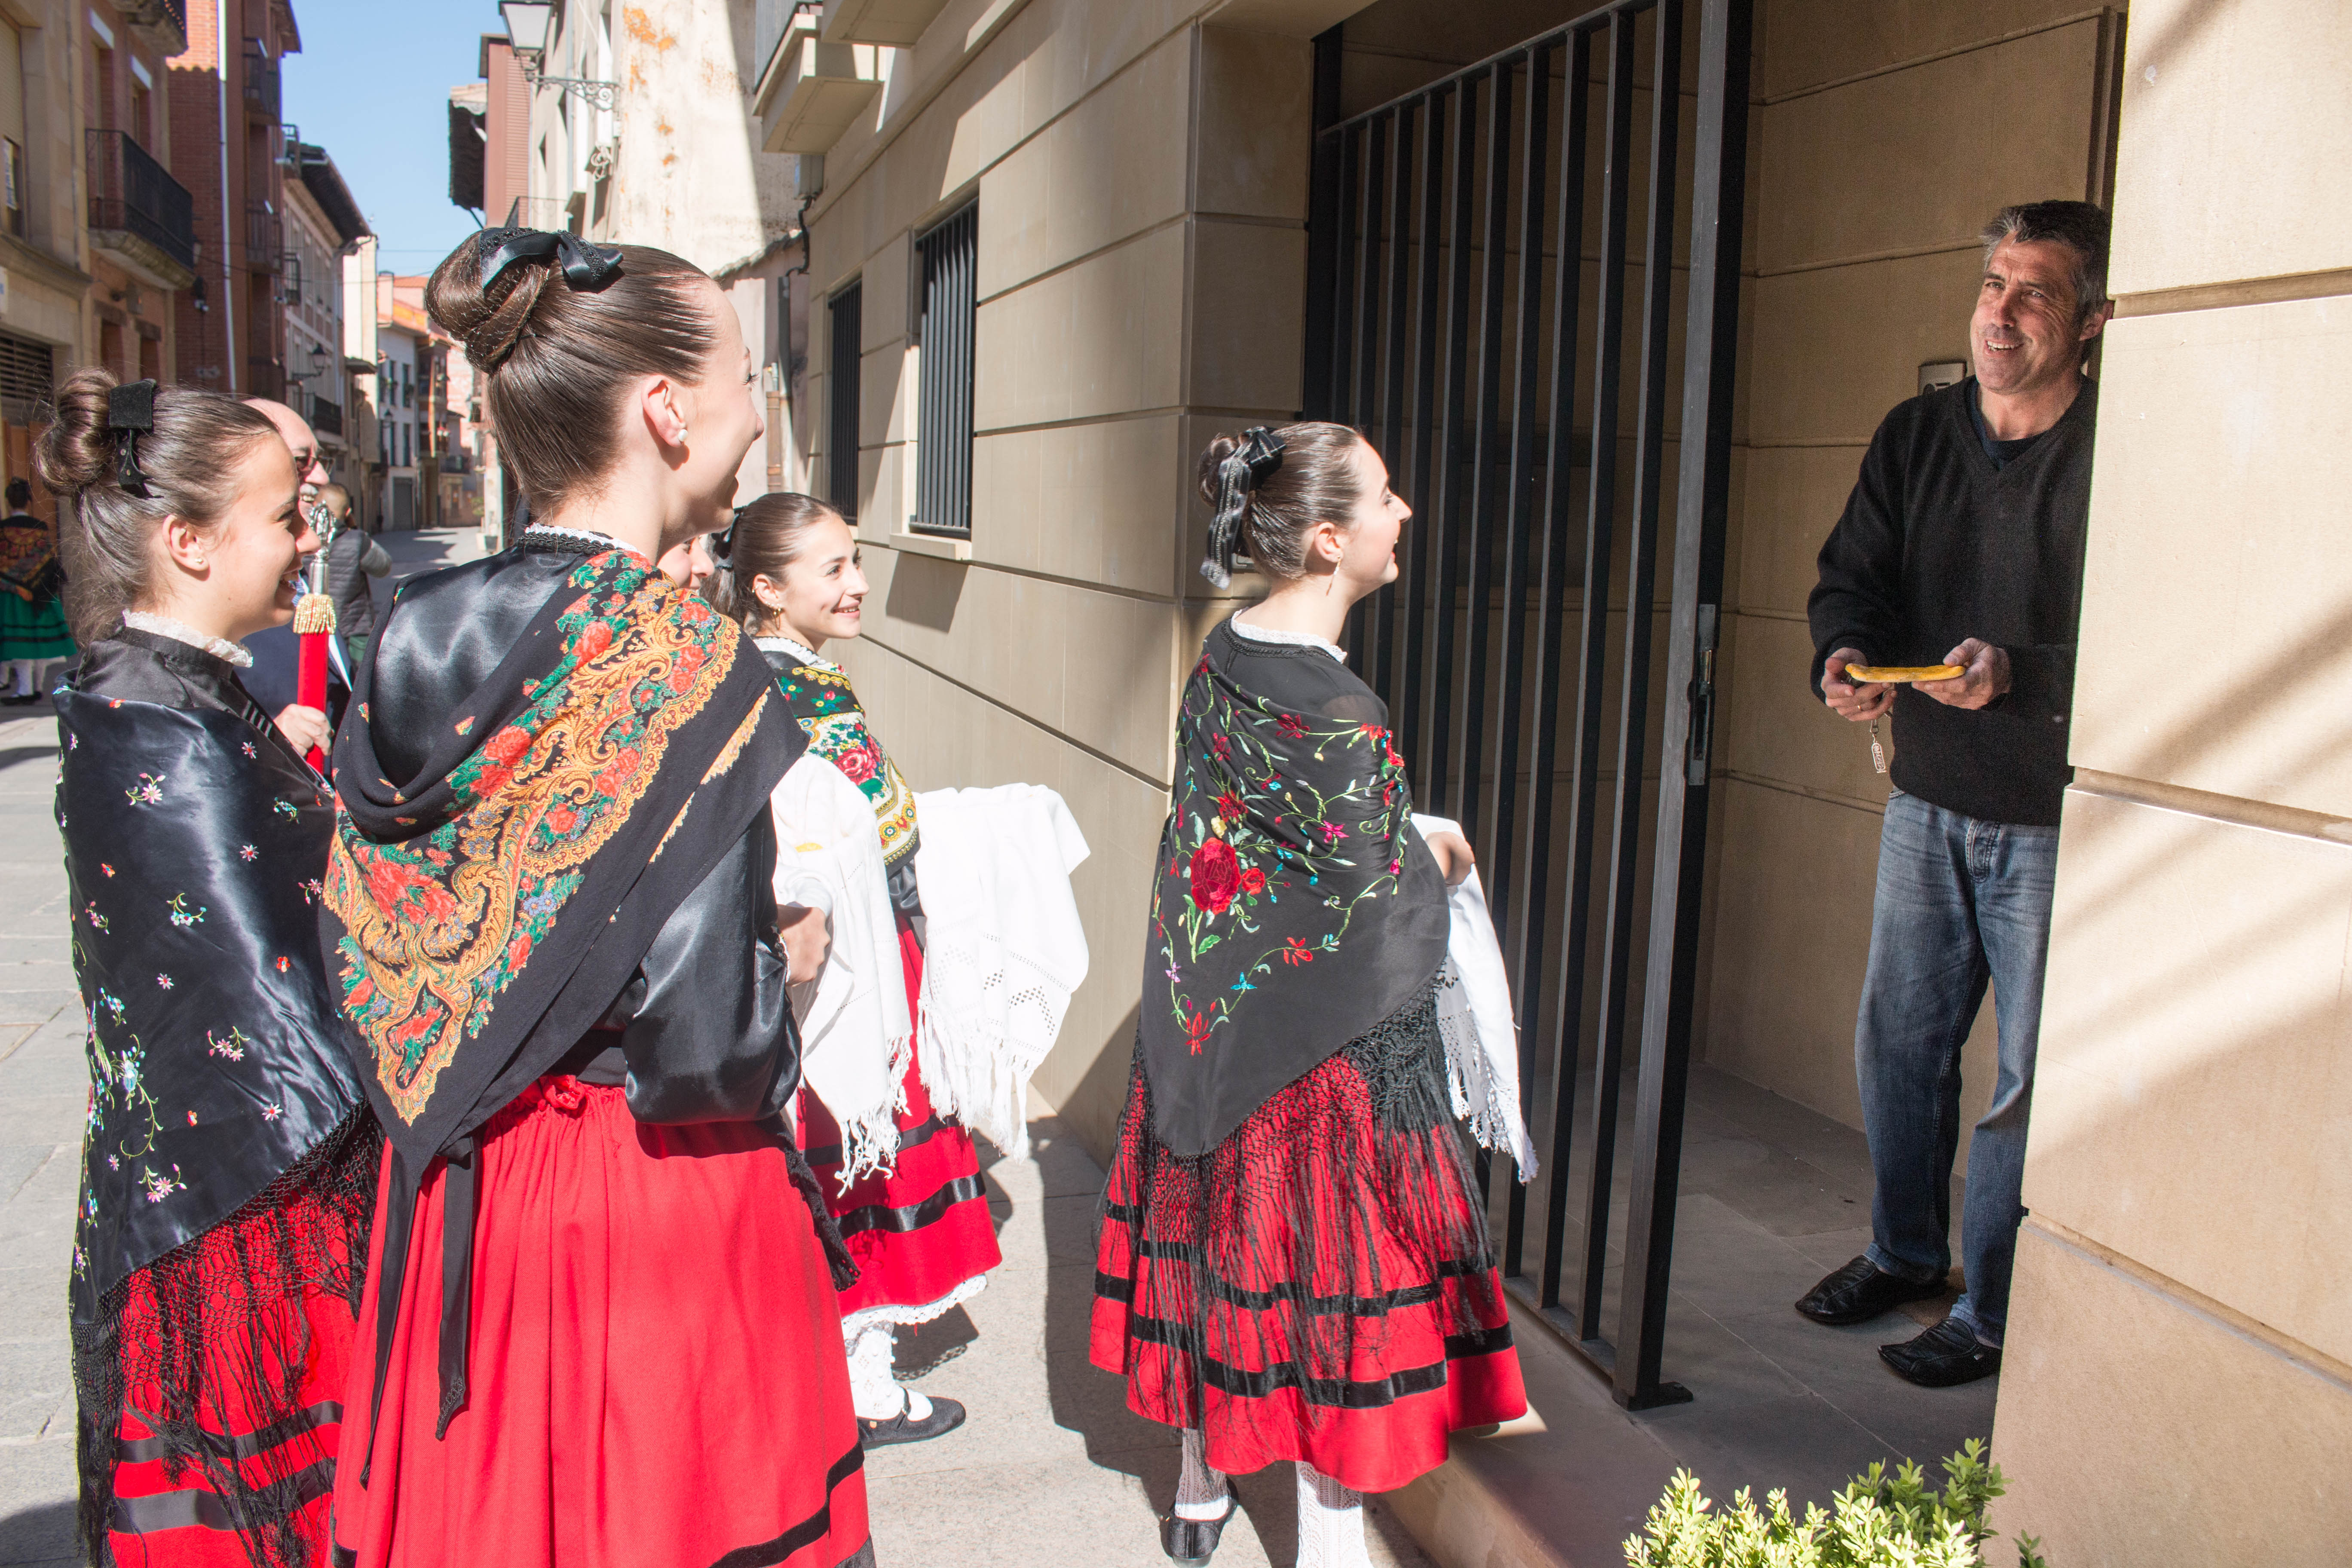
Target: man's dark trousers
{"points": [[1962, 902]]}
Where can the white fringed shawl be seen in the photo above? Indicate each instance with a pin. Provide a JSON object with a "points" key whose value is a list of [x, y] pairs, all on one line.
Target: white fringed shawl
{"points": [[1475, 1016], [1003, 949]]}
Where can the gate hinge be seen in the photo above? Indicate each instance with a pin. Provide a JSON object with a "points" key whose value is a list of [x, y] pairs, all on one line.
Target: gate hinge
{"points": [[1702, 702]]}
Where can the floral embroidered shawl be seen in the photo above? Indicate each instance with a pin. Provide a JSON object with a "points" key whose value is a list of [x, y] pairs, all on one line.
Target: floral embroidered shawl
{"points": [[819, 696], [1293, 910], [570, 800]]}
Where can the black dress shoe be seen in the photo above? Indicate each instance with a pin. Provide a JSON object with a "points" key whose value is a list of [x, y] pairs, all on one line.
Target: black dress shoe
{"points": [[1190, 1542], [945, 1416], [1945, 1356], [1861, 1291]]}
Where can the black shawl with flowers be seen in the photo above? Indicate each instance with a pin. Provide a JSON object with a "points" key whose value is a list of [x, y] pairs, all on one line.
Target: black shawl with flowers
{"points": [[1295, 909]]}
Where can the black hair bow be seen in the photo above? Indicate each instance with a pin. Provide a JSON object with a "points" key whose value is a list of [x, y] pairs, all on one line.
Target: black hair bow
{"points": [[130, 414], [587, 268], [1248, 465]]}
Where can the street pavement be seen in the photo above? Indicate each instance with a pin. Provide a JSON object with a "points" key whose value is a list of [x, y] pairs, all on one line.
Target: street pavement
{"points": [[1051, 1465]]}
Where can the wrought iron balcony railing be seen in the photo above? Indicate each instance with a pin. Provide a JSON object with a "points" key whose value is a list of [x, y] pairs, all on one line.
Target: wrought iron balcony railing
{"points": [[262, 93], [132, 196], [326, 418]]}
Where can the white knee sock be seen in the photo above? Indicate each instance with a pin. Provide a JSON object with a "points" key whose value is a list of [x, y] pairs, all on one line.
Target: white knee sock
{"points": [[1202, 1494], [1330, 1522], [20, 674], [876, 1395]]}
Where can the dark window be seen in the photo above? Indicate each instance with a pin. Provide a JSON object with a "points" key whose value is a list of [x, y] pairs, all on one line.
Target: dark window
{"points": [[12, 187], [944, 411], [28, 375], [848, 321]]}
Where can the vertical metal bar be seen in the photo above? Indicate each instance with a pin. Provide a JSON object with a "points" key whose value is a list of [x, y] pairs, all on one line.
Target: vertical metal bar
{"points": [[1411, 726], [1399, 283], [1559, 481], [1343, 298], [1478, 537], [1449, 438], [1510, 669], [1702, 499], [1318, 388], [1641, 583], [1600, 518], [1364, 614]]}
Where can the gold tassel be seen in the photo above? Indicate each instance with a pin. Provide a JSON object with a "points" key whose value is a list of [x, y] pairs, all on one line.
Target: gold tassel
{"points": [[314, 613]]}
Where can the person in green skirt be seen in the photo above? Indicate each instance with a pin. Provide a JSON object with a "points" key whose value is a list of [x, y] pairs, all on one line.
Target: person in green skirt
{"points": [[32, 621]]}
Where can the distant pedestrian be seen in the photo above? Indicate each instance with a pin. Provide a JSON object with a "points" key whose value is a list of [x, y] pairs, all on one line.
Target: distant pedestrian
{"points": [[353, 560], [1962, 545], [32, 633], [604, 1331], [276, 653], [228, 1171], [1294, 1262]]}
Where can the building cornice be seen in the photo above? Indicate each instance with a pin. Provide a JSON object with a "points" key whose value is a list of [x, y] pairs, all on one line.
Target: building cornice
{"points": [[40, 263]]}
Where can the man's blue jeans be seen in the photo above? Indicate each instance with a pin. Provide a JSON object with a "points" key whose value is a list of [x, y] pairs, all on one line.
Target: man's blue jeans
{"points": [[1960, 901]]}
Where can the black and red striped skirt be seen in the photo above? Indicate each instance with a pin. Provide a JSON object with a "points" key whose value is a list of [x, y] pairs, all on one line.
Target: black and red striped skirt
{"points": [[1316, 1288], [921, 1234]]}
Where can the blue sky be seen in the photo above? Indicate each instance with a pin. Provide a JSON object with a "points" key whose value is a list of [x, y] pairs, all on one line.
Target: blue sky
{"points": [[371, 86]]}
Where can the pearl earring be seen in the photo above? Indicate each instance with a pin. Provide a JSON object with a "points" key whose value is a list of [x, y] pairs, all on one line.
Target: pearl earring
{"points": [[200, 563]]}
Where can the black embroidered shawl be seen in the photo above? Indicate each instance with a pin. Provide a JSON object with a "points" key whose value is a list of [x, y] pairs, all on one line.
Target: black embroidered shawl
{"points": [[620, 746], [194, 843], [1293, 911]]}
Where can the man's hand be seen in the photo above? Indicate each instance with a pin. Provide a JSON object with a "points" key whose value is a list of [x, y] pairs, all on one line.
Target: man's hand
{"points": [[807, 938], [1859, 703], [1454, 859], [1984, 676], [305, 727]]}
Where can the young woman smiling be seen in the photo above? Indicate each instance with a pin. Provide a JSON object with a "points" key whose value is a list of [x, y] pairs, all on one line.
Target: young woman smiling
{"points": [[902, 1181], [228, 1170], [1294, 1263], [600, 1329]]}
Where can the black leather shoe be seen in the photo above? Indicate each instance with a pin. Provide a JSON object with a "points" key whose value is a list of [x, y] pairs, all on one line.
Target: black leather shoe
{"points": [[945, 1416], [1861, 1291], [1945, 1356], [1190, 1542]]}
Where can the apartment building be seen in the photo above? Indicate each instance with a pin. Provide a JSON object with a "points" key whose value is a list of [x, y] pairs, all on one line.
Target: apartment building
{"points": [[322, 225]]}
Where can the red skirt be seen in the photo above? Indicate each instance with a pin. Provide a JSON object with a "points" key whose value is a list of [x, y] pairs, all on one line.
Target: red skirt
{"points": [[922, 1233], [655, 1378], [1318, 1287], [274, 1335]]}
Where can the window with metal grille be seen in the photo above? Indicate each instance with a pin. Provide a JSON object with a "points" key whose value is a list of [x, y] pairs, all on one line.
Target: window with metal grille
{"points": [[949, 253], [847, 315], [27, 376]]}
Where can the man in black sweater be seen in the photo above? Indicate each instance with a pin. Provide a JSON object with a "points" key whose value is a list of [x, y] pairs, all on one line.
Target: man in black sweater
{"points": [[1962, 544]]}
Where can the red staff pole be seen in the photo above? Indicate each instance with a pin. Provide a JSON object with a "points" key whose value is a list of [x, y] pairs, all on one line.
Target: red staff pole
{"points": [[314, 622]]}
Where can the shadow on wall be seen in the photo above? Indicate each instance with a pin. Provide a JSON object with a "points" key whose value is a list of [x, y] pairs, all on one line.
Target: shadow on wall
{"points": [[41, 1535], [925, 590]]}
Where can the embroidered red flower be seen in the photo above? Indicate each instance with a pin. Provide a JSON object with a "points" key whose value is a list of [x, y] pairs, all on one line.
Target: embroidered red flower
{"points": [[1216, 876], [859, 765], [1292, 725], [1196, 1028], [1229, 806], [1253, 881], [1295, 951], [594, 640], [1222, 745]]}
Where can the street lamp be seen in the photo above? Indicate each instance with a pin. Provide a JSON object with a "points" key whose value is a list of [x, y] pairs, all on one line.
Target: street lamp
{"points": [[530, 25]]}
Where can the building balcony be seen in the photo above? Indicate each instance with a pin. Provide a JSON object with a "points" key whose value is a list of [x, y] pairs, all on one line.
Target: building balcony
{"points": [[262, 94], [140, 218], [163, 23], [814, 91], [326, 418], [265, 237], [898, 22]]}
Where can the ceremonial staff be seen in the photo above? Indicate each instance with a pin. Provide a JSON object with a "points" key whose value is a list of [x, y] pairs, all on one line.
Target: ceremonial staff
{"points": [[314, 625]]}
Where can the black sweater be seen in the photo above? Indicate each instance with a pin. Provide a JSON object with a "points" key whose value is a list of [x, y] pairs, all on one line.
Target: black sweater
{"points": [[1937, 545]]}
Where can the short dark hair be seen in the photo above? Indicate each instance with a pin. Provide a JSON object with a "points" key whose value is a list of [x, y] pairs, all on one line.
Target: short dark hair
{"points": [[2081, 227], [20, 494]]}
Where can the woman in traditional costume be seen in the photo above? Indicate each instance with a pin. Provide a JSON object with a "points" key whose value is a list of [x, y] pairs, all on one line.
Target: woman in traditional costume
{"points": [[1294, 1263], [900, 1179], [228, 1166], [32, 632], [600, 1329]]}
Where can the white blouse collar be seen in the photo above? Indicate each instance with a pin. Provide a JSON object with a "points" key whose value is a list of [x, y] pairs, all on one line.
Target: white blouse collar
{"points": [[154, 624], [1275, 635]]}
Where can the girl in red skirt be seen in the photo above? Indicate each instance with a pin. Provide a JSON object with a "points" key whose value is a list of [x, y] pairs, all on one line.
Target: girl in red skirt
{"points": [[901, 1179], [599, 1326], [228, 1168], [1293, 1264]]}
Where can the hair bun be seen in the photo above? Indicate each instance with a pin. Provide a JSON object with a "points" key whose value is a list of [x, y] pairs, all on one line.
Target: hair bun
{"points": [[80, 448], [490, 321], [1212, 460]]}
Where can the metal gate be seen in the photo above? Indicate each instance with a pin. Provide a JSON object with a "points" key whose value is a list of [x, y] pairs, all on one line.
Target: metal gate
{"points": [[1448, 244]]}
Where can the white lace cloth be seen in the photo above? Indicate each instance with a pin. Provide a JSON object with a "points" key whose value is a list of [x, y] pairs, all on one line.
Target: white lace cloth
{"points": [[1476, 1017], [148, 621], [1003, 949]]}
